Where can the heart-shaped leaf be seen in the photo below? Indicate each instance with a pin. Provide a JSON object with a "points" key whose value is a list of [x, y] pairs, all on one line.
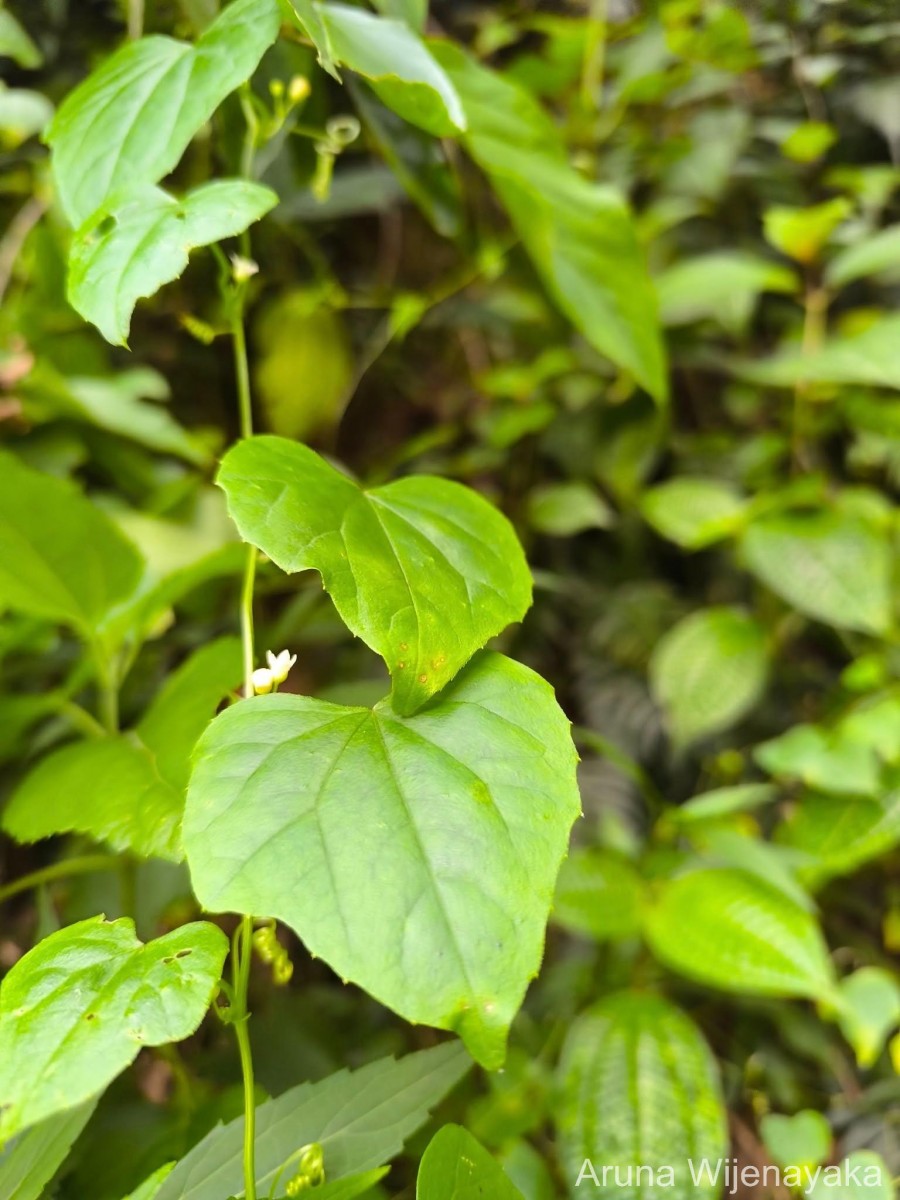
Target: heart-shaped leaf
{"points": [[457, 1167], [141, 239], [423, 570], [417, 857], [130, 122], [639, 1088], [77, 1009], [729, 929]]}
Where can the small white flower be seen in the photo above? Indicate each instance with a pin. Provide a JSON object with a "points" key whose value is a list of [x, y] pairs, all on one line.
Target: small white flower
{"points": [[262, 681], [280, 664], [242, 268]]}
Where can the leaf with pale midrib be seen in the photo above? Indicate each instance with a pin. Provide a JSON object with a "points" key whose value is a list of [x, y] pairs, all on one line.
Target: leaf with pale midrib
{"points": [[639, 1087], [416, 856], [424, 570], [729, 929], [131, 120]]}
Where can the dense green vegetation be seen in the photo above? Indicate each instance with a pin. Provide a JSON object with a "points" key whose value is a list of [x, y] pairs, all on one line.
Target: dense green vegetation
{"points": [[398, 402]]}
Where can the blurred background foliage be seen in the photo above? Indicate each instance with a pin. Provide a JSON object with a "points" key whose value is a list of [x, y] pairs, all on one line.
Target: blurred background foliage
{"points": [[703, 470]]}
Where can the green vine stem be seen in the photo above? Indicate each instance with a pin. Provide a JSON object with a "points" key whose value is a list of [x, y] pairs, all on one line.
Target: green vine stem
{"points": [[83, 865], [241, 958]]}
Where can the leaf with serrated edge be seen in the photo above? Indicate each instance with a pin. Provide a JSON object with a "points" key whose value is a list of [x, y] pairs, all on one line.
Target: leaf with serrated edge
{"points": [[78, 1008], [360, 1118], [131, 120], [639, 1086], [424, 570], [417, 857], [729, 929], [141, 240]]}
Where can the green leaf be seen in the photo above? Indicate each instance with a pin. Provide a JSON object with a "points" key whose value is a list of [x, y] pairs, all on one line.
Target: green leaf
{"points": [[827, 760], [708, 671], [309, 17], [16, 44], [862, 1175], [564, 509], [841, 833], [149, 1189], [457, 1167], [417, 160], [832, 565], [78, 1008], [802, 1140], [386, 52], [724, 802], [874, 255], [729, 929], [120, 404], [130, 121], [423, 570], [867, 358], [869, 1012], [350, 1186], [721, 287], [361, 1119], [413, 12], [801, 233], [140, 239], [135, 782], [31, 1160], [693, 512], [580, 236], [599, 893], [417, 857], [639, 1087], [61, 558], [23, 114]]}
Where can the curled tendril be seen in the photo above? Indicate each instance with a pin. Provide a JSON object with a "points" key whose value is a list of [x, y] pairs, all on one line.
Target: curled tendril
{"points": [[310, 1172], [273, 954]]}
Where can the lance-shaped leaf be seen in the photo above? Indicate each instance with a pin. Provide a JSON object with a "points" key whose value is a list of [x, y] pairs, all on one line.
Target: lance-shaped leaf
{"points": [[423, 570], [130, 122], [61, 558], [360, 1119], [141, 239], [135, 781], [77, 1009], [418, 857], [457, 1167], [580, 236], [29, 1161], [639, 1087], [386, 52]]}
